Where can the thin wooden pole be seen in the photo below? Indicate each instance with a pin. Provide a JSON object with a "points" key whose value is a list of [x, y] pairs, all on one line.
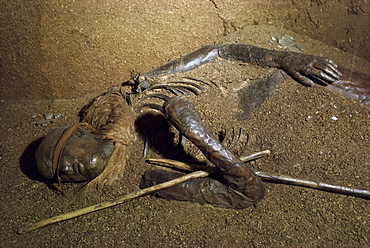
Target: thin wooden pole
{"points": [[362, 193], [365, 194], [180, 165], [111, 203]]}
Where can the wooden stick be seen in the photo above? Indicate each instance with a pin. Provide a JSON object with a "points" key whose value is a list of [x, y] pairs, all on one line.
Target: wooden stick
{"points": [[255, 156], [361, 193], [271, 177], [111, 203], [192, 167], [129, 196], [176, 164]]}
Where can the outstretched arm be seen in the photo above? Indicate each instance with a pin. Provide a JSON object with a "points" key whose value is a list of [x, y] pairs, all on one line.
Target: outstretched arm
{"points": [[299, 66]]}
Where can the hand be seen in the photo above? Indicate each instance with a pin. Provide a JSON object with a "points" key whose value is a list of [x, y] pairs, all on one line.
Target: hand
{"points": [[307, 69]]}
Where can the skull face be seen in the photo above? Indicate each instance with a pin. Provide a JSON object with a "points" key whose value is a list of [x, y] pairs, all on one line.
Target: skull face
{"points": [[84, 156]]}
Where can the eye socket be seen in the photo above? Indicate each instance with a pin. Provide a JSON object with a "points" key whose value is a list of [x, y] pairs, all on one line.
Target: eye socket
{"points": [[64, 168], [93, 161]]}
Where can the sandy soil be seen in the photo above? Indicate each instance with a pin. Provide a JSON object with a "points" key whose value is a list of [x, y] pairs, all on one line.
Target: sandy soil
{"points": [[296, 123]]}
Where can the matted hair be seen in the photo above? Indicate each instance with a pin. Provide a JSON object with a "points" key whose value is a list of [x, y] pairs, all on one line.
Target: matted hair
{"points": [[111, 116]]}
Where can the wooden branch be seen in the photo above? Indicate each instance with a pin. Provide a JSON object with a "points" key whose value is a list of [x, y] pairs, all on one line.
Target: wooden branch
{"points": [[111, 203], [180, 165], [361, 193], [255, 156], [192, 167]]}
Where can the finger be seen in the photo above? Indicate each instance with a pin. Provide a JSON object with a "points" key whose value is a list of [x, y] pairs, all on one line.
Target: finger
{"points": [[326, 77], [320, 73], [332, 72], [302, 79], [329, 68], [333, 66]]}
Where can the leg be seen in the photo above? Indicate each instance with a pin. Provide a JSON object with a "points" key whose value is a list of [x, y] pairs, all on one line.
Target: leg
{"points": [[200, 190], [240, 187]]}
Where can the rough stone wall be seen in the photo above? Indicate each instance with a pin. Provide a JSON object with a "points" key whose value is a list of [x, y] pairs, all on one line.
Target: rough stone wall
{"points": [[66, 49], [340, 23]]}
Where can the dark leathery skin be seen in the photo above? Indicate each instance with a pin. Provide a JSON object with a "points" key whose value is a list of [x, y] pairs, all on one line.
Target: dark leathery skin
{"points": [[186, 63], [304, 68], [240, 181], [298, 65], [200, 190]]}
